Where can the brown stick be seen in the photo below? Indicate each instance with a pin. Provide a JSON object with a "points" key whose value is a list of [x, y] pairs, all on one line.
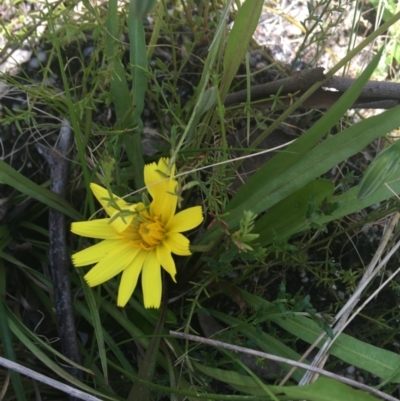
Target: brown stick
{"points": [[300, 81], [375, 94], [58, 256]]}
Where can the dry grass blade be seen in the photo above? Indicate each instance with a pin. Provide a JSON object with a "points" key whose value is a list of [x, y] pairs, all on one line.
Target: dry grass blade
{"points": [[47, 380], [341, 318]]}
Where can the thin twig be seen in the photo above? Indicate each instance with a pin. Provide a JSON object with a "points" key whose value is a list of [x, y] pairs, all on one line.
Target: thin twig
{"points": [[46, 380], [260, 354]]}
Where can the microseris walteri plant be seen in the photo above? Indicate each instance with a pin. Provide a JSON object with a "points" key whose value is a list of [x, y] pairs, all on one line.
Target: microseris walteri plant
{"points": [[138, 238]]}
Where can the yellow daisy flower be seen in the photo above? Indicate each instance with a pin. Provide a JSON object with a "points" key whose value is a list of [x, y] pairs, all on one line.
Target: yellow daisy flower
{"points": [[138, 239]]}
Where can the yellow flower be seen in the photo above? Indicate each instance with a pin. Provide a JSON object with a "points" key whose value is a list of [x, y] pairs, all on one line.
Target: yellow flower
{"points": [[138, 239]]}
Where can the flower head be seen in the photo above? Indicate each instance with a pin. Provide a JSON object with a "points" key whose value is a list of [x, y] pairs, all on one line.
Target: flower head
{"points": [[138, 238]]}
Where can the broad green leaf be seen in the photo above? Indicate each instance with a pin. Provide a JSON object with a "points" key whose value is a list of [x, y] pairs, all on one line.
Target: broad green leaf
{"points": [[318, 161], [350, 203], [238, 41], [16, 180], [323, 389], [290, 215], [375, 360], [386, 163]]}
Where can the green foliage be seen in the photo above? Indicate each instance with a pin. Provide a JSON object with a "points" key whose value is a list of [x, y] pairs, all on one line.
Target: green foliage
{"points": [[258, 271], [385, 164]]}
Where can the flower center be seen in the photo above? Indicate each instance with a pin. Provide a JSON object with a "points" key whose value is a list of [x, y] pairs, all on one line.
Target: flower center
{"points": [[151, 231], [145, 231]]}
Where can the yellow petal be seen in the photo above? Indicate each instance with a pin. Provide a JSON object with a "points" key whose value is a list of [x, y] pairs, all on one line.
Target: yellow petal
{"points": [[103, 196], [94, 253], [185, 220], [178, 244], [99, 228], [157, 177], [112, 264], [129, 279], [165, 258], [151, 281], [154, 177], [164, 203]]}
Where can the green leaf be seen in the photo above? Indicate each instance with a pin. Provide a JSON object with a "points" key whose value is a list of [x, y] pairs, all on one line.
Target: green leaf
{"points": [[238, 41], [140, 390], [389, 8], [119, 86], [277, 179], [207, 100], [16, 180], [95, 321], [289, 216], [142, 7], [375, 360], [113, 347], [318, 161], [119, 90], [139, 66], [323, 389], [212, 57], [6, 339], [386, 163], [350, 203], [299, 149], [19, 330], [261, 340]]}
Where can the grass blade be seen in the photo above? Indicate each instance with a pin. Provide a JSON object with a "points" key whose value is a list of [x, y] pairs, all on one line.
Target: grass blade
{"points": [[16, 180], [6, 339], [238, 41]]}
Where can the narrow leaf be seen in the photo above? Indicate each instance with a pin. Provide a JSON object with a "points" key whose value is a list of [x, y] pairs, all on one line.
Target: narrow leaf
{"points": [[6, 339], [238, 41], [323, 389], [16, 180]]}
